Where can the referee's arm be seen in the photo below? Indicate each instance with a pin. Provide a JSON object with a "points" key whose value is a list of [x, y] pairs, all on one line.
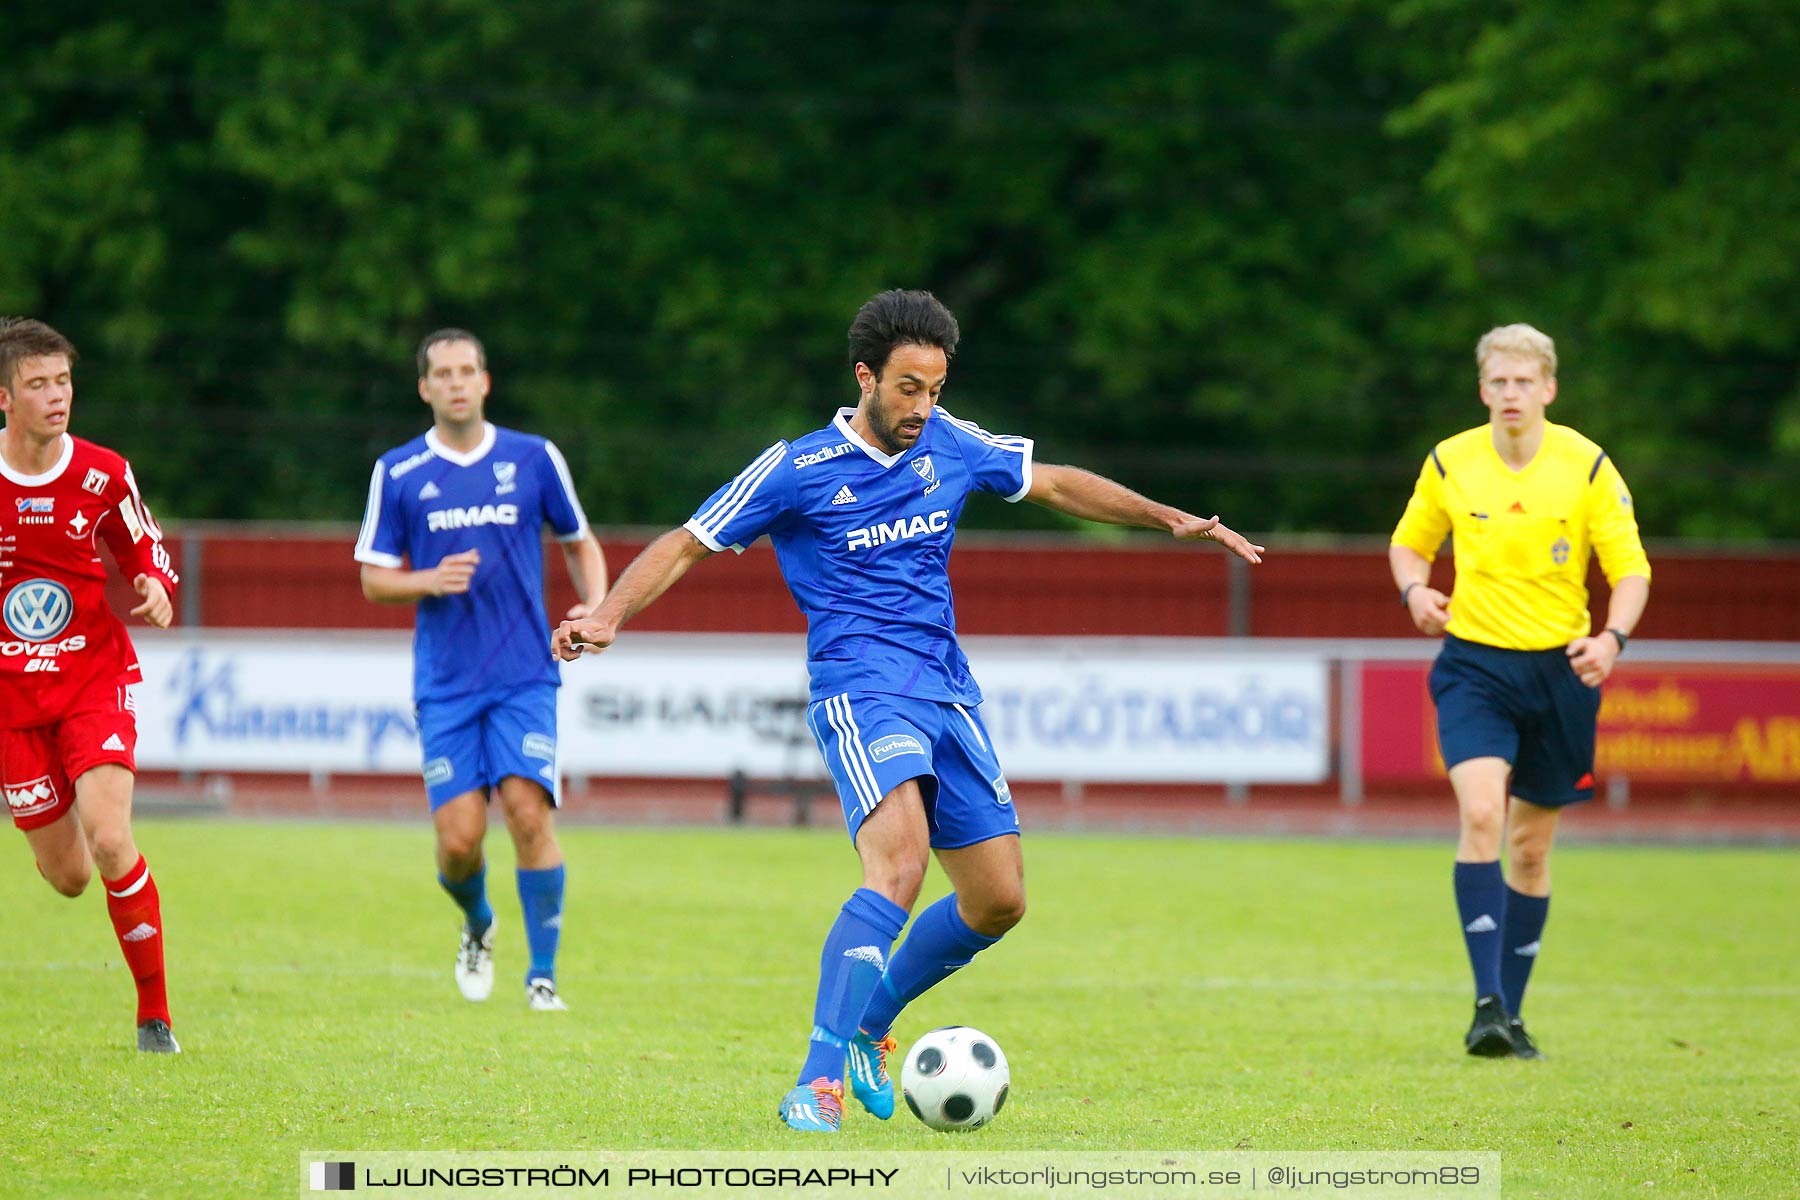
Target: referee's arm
{"points": [[1428, 607], [1421, 531], [1613, 533]]}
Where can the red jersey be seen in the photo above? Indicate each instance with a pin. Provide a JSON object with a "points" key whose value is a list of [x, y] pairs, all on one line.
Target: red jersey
{"points": [[58, 638]]}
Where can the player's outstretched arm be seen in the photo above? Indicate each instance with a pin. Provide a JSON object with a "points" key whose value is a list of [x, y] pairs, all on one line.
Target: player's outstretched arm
{"points": [[650, 575], [1095, 498]]}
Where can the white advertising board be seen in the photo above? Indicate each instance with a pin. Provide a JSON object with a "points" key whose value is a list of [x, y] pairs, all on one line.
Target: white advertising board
{"points": [[705, 705]]}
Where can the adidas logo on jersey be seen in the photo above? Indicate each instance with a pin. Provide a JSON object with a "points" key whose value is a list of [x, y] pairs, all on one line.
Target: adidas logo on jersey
{"points": [[112, 743], [143, 933], [429, 492], [844, 496]]}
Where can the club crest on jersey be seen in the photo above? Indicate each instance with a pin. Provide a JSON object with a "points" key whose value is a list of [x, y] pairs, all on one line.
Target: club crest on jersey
{"points": [[38, 609], [898, 531], [927, 470], [505, 476], [96, 481], [78, 525], [1559, 553]]}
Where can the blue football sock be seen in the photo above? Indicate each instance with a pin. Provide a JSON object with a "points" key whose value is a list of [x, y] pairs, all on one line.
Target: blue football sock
{"points": [[1525, 917], [855, 952], [541, 900], [939, 945], [471, 896], [1481, 903]]}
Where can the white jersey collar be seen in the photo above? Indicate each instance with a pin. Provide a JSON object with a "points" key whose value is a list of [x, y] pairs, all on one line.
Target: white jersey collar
{"points": [[437, 446], [842, 422], [62, 463]]}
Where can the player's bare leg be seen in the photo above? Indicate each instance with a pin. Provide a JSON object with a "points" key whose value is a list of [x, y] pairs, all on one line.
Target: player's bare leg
{"points": [[461, 826], [1480, 785], [894, 844], [61, 851], [530, 818], [103, 812], [989, 878], [1530, 832]]}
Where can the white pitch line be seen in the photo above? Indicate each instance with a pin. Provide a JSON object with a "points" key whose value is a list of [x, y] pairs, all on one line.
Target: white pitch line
{"points": [[1199, 983]]}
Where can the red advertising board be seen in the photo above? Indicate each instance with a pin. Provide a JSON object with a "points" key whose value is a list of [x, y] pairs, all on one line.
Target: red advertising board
{"points": [[1658, 724]]}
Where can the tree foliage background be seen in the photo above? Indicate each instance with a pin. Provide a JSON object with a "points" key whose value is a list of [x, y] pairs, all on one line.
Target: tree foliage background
{"points": [[1235, 255]]}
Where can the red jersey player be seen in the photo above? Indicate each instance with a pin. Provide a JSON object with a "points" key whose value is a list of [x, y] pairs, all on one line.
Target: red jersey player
{"points": [[67, 722]]}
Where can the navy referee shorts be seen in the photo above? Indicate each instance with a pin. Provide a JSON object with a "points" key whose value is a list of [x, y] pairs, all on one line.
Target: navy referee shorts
{"points": [[1526, 706]]}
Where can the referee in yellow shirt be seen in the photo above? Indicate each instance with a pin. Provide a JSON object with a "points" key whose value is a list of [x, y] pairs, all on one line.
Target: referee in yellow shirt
{"points": [[1517, 684]]}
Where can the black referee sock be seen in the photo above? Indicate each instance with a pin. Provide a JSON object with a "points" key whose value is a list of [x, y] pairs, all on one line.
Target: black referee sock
{"points": [[1481, 903], [1525, 916]]}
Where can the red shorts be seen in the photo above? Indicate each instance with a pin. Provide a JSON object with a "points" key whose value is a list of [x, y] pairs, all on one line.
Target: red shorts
{"points": [[38, 766]]}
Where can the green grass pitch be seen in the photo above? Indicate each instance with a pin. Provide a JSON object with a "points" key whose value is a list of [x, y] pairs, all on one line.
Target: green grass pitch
{"points": [[1161, 994]]}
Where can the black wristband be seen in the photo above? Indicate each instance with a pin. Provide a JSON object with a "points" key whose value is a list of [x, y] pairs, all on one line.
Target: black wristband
{"points": [[1622, 638], [1407, 591]]}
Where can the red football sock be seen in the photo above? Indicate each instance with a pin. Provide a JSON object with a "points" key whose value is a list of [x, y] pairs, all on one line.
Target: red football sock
{"points": [[136, 912]]}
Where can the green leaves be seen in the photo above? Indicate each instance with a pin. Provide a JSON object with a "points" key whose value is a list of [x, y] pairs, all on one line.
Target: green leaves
{"points": [[1238, 256]]}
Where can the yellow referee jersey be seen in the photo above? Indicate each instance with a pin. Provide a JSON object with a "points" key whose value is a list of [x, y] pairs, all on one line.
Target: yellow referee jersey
{"points": [[1522, 538]]}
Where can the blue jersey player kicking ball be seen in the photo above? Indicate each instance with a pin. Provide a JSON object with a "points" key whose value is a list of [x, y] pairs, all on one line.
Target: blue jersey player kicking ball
{"points": [[862, 514], [465, 505]]}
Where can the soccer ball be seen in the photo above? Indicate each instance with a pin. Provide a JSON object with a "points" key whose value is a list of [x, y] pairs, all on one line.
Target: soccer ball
{"points": [[955, 1078]]}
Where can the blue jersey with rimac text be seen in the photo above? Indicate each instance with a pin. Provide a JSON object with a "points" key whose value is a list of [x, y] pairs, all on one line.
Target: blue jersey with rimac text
{"points": [[427, 501], [863, 538]]}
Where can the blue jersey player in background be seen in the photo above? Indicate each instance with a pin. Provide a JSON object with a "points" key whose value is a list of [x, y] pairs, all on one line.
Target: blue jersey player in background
{"points": [[465, 504], [862, 514]]}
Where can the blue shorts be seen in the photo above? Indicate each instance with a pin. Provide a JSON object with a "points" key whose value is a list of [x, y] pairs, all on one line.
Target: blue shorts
{"points": [[1526, 706], [873, 743], [473, 742]]}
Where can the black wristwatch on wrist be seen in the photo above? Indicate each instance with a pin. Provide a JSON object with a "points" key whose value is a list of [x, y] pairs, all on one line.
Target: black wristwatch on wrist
{"points": [[1622, 638], [1407, 591]]}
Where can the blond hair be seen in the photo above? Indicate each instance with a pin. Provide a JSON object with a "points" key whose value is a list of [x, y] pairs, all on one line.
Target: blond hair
{"points": [[1517, 339]]}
